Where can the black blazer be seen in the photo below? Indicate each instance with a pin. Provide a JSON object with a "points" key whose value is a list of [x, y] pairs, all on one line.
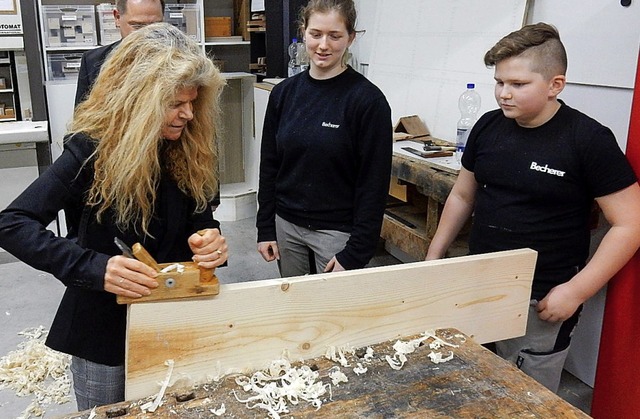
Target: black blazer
{"points": [[90, 66], [89, 323]]}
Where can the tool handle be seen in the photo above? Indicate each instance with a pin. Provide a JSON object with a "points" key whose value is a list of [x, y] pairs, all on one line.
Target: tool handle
{"points": [[143, 256], [206, 275]]}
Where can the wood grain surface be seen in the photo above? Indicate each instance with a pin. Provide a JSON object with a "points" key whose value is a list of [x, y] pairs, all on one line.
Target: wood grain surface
{"points": [[249, 324], [475, 383]]}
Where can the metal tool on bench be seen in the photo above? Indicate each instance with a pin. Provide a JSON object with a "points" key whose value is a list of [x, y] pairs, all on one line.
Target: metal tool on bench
{"points": [[429, 145], [428, 154], [175, 280]]}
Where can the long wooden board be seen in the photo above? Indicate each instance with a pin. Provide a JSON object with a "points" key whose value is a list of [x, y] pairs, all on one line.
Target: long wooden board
{"points": [[249, 324]]}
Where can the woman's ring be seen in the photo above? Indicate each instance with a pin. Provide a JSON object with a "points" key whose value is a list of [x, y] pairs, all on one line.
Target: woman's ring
{"points": [[219, 251], [121, 280]]}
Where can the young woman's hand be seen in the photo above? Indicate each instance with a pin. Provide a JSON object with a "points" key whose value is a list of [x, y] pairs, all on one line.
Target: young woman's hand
{"points": [[269, 251], [334, 266]]}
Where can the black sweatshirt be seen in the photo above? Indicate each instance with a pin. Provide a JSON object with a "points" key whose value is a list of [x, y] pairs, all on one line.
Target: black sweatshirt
{"points": [[326, 160]]}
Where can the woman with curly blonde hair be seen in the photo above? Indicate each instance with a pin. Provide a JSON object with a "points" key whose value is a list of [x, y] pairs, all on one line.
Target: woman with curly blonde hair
{"points": [[139, 164]]}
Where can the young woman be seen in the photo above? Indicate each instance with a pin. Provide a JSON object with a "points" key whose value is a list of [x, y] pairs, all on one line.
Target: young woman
{"points": [[139, 164], [326, 155]]}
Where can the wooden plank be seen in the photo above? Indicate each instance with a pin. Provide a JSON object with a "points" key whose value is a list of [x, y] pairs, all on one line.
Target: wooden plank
{"points": [[249, 324], [475, 383]]}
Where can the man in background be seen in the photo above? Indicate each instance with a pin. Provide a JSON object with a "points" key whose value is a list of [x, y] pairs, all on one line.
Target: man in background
{"points": [[129, 15]]}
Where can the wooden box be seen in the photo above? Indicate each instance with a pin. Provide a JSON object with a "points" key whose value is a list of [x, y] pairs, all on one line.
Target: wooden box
{"points": [[217, 26]]}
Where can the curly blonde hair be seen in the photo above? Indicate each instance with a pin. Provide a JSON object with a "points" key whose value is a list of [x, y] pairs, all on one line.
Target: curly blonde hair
{"points": [[125, 115]]}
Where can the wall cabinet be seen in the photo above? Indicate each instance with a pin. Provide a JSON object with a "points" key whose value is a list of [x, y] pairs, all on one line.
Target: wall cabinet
{"points": [[71, 27], [9, 98]]}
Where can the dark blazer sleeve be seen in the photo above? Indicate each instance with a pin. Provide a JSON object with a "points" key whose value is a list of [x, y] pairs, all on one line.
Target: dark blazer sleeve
{"points": [[83, 80], [90, 66], [23, 224]]}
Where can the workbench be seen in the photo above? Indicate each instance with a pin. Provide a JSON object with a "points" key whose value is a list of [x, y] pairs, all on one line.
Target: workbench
{"points": [[475, 383], [410, 225]]}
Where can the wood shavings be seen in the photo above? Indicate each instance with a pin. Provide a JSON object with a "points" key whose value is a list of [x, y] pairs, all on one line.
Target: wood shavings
{"points": [[368, 356], [220, 411], [339, 354], [281, 384], [436, 357], [359, 369], [399, 358], [437, 342], [397, 361], [92, 414], [401, 348], [178, 267], [152, 406], [337, 376], [35, 369]]}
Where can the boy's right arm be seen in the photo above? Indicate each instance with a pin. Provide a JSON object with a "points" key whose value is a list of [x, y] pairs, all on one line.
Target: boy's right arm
{"points": [[457, 210]]}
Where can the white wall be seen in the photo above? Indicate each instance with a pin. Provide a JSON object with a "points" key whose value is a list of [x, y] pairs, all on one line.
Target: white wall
{"points": [[422, 53], [601, 36], [602, 40]]}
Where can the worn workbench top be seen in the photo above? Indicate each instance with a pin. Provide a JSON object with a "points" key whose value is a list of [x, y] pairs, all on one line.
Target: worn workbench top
{"points": [[432, 177], [475, 383]]}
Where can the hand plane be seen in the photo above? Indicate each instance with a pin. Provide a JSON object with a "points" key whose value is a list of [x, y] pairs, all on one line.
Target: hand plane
{"points": [[175, 280]]}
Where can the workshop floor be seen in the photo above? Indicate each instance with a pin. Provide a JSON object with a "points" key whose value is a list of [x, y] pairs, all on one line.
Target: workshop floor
{"points": [[29, 298]]}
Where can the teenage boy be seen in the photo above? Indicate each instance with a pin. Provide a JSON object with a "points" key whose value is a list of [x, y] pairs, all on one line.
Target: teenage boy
{"points": [[529, 175]]}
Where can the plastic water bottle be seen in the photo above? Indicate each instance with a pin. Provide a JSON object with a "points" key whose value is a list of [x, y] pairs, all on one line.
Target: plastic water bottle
{"points": [[469, 105], [298, 61]]}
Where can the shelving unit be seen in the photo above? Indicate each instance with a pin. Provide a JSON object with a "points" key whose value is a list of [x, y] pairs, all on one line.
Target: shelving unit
{"points": [[67, 31], [257, 28], [232, 56], [230, 52], [90, 21], [9, 98]]}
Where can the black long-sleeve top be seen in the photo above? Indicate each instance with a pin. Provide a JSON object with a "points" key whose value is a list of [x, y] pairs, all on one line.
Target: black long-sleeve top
{"points": [[89, 322], [326, 160]]}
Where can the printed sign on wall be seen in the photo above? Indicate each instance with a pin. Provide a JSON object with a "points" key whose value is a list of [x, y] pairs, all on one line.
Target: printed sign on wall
{"points": [[10, 18]]}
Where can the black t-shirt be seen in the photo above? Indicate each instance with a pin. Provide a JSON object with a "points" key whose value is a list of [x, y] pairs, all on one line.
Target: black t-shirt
{"points": [[537, 185]]}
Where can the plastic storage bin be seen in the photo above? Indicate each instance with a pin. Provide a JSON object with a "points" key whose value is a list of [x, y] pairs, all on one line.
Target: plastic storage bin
{"points": [[69, 26], [64, 66], [109, 32], [185, 17]]}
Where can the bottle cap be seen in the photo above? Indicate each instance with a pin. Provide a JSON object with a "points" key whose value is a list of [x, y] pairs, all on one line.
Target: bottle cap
{"points": [[470, 85], [294, 40]]}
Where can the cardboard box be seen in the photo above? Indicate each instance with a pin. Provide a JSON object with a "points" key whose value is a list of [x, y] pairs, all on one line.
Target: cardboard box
{"points": [[217, 26], [410, 127]]}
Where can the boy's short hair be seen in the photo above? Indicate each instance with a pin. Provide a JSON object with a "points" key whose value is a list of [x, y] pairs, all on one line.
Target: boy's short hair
{"points": [[540, 42]]}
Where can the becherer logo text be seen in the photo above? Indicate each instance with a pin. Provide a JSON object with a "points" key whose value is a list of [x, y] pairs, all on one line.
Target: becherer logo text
{"points": [[546, 169], [330, 125]]}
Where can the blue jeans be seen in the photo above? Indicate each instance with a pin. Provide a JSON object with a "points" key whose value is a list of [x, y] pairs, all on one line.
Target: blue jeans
{"points": [[96, 384]]}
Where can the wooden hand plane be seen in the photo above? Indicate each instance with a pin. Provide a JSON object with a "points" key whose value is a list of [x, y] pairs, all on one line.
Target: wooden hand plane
{"points": [[175, 280]]}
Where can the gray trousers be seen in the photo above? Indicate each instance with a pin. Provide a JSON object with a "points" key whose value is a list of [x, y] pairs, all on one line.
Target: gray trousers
{"points": [[299, 247], [542, 351], [96, 384]]}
